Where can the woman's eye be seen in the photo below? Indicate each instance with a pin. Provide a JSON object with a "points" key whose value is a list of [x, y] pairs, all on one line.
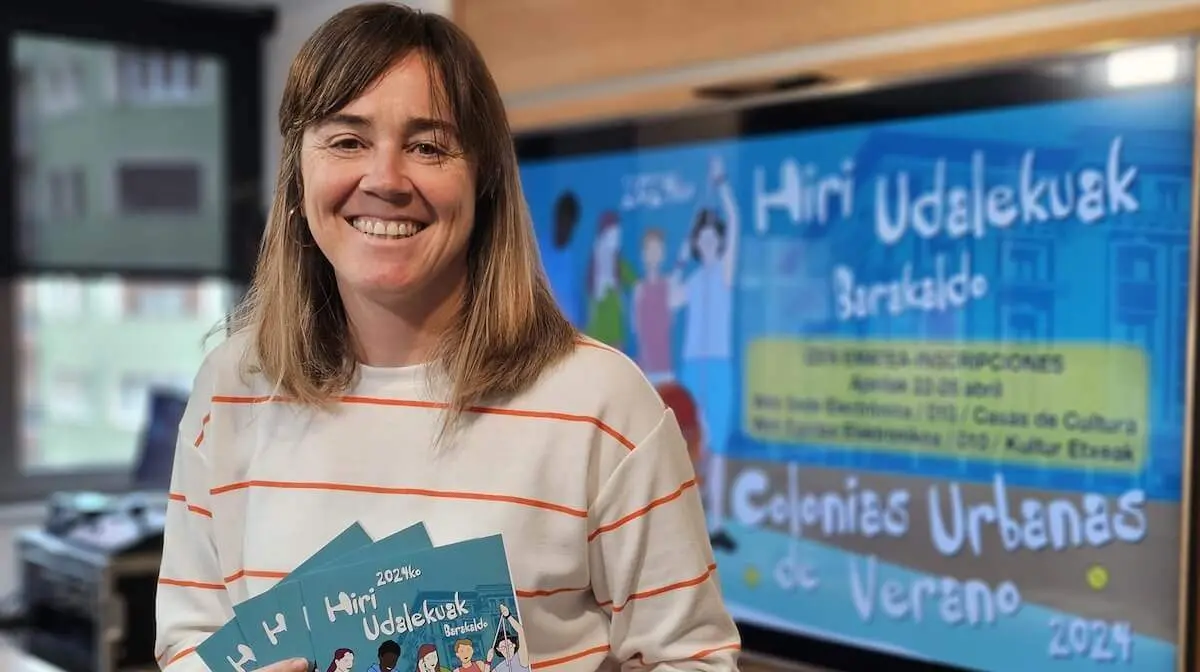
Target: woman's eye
{"points": [[346, 144], [427, 149]]}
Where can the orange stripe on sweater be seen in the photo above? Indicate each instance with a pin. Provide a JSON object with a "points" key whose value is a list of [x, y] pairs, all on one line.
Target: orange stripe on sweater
{"points": [[411, 492], [571, 657], [654, 592], [665, 499], [434, 405]]}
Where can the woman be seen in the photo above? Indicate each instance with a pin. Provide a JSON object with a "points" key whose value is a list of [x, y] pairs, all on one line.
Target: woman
{"points": [[609, 278], [427, 659], [343, 661], [398, 315]]}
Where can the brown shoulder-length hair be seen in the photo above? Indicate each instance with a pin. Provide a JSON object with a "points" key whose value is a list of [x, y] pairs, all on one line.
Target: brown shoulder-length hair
{"points": [[508, 329]]}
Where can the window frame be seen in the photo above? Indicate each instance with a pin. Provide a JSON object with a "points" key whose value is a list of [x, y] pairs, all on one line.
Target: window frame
{"points": [[233, 35]]}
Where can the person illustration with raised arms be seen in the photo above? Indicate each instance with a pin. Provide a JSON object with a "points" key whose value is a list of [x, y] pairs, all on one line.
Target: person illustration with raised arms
{"points": [[706, 363], [510, 638]]}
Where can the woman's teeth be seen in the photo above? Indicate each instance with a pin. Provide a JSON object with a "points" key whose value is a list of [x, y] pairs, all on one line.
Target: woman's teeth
{"points": [[385, 227]]}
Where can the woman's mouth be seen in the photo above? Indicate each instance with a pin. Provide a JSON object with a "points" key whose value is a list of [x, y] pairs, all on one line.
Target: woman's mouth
{"points": [[386, 228]]}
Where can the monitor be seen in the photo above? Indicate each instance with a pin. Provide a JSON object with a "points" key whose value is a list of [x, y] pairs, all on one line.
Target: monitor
{"points": [[156, 452], [930, 342]]}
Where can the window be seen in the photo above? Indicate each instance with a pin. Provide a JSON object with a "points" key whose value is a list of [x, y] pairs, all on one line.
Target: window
{"points": [[107, 180], [68, 194], [61, 86], [130, 131], [164, 188], [141, 301], [68, 398], [157, 76], [83, 383], [54, 299], [26, 110]]}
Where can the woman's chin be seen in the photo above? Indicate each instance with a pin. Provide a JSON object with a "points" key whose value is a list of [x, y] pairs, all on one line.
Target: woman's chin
{"points": [[382, 283]]}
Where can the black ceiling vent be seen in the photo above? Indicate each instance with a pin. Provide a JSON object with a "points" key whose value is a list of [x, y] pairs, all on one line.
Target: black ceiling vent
{"points": [[751, 88]]}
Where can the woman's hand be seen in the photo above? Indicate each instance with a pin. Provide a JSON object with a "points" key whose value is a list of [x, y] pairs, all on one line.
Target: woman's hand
{"points": [[685, 251], [716, 169], [295, 665]]}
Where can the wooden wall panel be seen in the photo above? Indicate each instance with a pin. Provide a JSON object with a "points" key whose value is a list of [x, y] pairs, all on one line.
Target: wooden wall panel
{"points": [[536, 44], [972, 53]]}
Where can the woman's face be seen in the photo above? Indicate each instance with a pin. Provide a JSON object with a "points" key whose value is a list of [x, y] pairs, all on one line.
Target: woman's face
{"points": [[389, 198], [610, 239], [652, 253], [346, 662], [430, 662], [708, 241], [506, 648]]}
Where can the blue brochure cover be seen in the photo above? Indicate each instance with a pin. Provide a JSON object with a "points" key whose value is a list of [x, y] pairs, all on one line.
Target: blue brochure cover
{"points": [[435, 610], [233, 649], [351, 539], [226, 650], [274, 623], [411, 539], [274, 632]]}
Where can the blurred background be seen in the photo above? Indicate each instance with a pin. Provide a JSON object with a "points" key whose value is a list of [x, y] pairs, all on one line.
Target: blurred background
{"points": [[141, 153]]}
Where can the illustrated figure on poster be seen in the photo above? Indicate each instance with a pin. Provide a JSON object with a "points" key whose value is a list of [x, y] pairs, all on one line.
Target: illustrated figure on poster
{"points": [[509, 645], [609, 280], [388, 656], [464, 651], [343, 661], [561, 268], [681, 403], [652, 310], [427, 659], [706, 293]]}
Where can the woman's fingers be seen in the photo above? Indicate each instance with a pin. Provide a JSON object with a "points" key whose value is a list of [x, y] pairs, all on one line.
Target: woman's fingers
{"points": [[294, 665]]}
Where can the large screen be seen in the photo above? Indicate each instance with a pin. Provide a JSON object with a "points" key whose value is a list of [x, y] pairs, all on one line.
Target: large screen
{"points": [[930, 347]]}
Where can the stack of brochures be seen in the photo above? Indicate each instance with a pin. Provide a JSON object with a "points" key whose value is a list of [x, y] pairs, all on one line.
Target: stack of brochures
{"points": [[394, 604]]}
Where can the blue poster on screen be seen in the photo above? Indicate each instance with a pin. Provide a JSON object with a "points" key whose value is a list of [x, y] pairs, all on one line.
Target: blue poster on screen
{"points": [[932, 370]]}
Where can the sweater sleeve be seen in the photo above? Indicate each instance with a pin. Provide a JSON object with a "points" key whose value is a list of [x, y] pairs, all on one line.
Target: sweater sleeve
{"points": [[652, 564], [192, 602]]}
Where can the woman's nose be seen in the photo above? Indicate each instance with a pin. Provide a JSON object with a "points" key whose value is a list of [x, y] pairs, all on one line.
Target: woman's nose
{"points": [[387, 176]]}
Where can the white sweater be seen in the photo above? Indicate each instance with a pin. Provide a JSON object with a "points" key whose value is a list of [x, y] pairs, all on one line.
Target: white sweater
{"points": [[586, 475]]}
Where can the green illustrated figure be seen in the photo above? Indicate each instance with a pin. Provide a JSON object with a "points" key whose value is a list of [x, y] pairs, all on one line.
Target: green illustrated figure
{"points": [[609, 279]]}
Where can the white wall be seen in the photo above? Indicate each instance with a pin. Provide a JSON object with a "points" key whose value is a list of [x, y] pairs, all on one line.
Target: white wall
{"points": [[297, 19]]}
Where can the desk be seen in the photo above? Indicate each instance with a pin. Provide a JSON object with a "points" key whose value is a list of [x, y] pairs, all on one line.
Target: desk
{"points": [[13, 659]]}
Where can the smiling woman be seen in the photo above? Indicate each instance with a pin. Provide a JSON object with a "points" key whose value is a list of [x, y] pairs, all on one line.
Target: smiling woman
{"points": [[389, 200], [400, 359]]}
